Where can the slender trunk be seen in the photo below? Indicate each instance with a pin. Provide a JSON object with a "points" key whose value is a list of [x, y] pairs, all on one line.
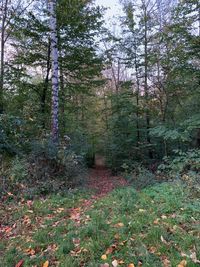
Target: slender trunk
{"points": [[46, 83], [5, 10], [62, 93], [54, 58], [146, 81], [137, 98], [106, 107]]}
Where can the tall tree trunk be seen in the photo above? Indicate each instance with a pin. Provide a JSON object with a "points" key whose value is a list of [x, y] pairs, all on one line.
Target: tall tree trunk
{"points": [[55, 78], [146, 81], [3, 25], [46, 83], [137, 97]]}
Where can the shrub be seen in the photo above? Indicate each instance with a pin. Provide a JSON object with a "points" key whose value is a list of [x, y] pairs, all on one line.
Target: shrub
{"points": [[184, 166], [48, 168], [139, 176]]}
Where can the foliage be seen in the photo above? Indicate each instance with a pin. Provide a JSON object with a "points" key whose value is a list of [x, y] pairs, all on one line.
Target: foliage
{"points": [[12, 136], [139, 176], [47, 168], [182, 162], [184, 166]]}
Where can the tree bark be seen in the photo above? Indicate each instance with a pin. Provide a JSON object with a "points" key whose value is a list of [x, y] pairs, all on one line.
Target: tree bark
{"points": [[46, 83], [55, 78], [146, 91], [3, 27]]}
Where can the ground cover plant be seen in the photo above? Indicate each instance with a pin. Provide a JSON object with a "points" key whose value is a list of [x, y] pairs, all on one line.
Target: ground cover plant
{"points": [[158, 226]]}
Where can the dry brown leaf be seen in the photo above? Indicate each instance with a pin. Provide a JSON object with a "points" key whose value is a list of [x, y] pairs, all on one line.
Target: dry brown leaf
{"points": [[183, 263], [152, 250], [166, 263], [193, 257], [20, 263], [116, 236], [131, 265], [156, 221], [46, 264], [109, 250], [118, 225], [30, 251]]}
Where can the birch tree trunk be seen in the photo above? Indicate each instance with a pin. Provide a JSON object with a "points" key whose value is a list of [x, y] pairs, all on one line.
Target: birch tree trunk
{"points": [[55, 78]]}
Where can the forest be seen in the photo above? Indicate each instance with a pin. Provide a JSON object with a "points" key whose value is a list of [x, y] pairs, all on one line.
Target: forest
{"points": [[99, 133]]}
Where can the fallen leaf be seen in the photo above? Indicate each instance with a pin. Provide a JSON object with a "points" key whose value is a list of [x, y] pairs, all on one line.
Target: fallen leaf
{"points": [[109, 250], [104, 265], [131, 265], [166, 263], [156, 221], [164, 217], [104, 257], [20, 263], [30, 251], [193, 257], [152, 250], [118, 225], [142, 210], [115, 263], [46, 264], [116, 236], [183, 263], [163, 240]]}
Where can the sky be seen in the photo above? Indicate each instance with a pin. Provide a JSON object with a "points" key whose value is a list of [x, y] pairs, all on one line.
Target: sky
{"points": [[114, 9]]}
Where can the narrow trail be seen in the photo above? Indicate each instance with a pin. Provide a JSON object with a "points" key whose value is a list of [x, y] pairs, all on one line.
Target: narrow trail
{"points": [[102, 182]]}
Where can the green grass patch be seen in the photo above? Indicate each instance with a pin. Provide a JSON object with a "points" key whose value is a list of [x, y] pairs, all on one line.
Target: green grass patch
{"points": [[158, 223]]}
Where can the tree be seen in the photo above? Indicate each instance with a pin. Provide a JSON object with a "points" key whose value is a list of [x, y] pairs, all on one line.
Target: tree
{"points": [[55, 77], [8, 11]]}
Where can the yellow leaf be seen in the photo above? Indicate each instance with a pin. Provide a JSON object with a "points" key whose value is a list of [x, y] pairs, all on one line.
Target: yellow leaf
{"points": [[104, 257], [131, 265], [46, 264], [142, 210], [183, 263]]}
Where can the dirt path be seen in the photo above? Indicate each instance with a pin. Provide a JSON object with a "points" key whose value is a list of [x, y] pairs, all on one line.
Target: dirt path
{"points": [[102, 182]]}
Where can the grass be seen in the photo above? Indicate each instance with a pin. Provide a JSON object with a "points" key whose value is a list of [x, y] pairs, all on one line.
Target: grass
{"points": [[149, 228]]}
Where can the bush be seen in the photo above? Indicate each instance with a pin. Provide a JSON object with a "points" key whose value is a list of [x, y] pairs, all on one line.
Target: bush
{"points": [[13, 138], [184, 166], [139, 176], [48, 168], [181, 163]]}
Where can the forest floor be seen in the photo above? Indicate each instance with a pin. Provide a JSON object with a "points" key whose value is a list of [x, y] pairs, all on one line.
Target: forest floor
{"points": [[109, 224]]}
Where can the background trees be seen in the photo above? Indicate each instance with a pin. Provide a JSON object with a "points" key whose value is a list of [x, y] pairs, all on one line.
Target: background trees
{"points": [[132, 94]]}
